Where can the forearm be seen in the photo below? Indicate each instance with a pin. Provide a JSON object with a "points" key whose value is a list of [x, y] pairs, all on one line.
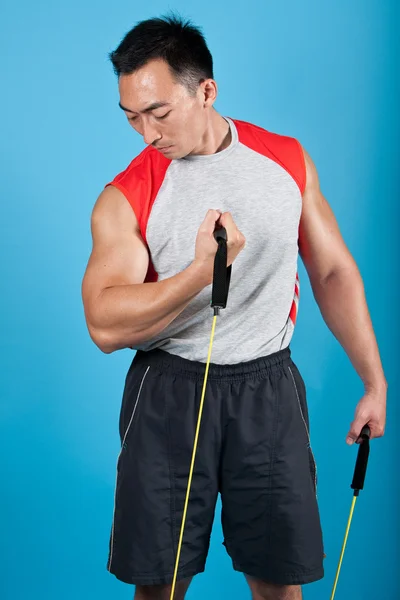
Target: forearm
{"points": [[127, 315], [342, 302]]}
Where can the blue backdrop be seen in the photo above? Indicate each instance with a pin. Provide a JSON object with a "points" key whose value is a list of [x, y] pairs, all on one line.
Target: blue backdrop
{"points": [[326, 73]]}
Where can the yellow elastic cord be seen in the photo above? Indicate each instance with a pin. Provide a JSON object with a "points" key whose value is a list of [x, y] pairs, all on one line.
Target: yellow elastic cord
{"points": [[192, 463], [344, 546]]}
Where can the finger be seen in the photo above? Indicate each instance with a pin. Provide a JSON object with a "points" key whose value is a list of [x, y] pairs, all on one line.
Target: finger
{"points": [[376, 430], [234, 235], [226, 220], [354, 432], [210, 220]]}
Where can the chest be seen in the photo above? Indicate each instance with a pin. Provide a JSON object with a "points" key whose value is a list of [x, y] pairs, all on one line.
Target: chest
{"points": [[263, 199]]}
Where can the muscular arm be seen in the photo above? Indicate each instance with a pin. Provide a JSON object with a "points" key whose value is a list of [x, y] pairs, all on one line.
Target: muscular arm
{"points": [[122, 311], [336, 283]]}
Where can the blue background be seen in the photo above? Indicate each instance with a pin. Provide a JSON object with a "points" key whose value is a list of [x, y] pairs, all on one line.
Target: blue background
{"points": [[326, 73]]}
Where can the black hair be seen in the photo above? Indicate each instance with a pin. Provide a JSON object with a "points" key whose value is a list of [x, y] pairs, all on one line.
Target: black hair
{"points": [[181, 44]]}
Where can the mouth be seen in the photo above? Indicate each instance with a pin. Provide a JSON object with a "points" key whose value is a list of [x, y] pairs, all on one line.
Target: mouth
{"points": [[165, 148]]}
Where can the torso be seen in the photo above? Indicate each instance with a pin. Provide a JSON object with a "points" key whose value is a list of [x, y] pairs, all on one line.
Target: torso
{"points": [[259, 178]]}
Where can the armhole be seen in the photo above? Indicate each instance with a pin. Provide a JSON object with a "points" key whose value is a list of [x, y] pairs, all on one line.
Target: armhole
{"points": [[152, 274], [302, 183], [125, 192]]}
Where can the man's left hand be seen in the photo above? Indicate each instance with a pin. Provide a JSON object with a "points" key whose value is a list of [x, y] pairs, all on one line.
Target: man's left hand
{"points": [[371, 411]]}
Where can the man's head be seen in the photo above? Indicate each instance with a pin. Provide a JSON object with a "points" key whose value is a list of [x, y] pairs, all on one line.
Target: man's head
{"points": [[166, 85]]}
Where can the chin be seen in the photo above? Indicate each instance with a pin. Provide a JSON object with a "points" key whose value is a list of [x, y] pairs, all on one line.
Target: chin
{"points": [[177, 154]]}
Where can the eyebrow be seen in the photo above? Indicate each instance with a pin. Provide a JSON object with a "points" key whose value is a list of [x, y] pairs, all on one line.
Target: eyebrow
{"points": [[148, 109]]}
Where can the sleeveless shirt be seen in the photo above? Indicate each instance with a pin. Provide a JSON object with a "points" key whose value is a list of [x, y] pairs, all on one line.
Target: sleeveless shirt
{"points": [[259, 178]]}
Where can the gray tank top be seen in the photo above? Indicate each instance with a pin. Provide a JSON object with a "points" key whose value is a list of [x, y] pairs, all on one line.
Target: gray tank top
{"points": [[260, 179]]}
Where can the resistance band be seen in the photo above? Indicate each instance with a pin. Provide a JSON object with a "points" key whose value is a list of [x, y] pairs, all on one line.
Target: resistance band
{"points": [[357, 485], [220, 289]]}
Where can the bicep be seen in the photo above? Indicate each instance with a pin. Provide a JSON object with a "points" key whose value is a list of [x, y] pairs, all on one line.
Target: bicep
{"points": [[321, 245], [119, 255]]}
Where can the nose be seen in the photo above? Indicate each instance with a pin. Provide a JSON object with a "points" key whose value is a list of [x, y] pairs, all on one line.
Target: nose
{"points": [[150, 135]]}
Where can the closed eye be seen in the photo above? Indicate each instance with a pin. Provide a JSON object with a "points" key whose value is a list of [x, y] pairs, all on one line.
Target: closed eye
{"points": [[164, 116], [161, 117]]}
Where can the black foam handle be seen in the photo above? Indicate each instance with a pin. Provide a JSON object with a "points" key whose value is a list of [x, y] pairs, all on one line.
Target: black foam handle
{"points": [[220, 234], [362, 460], [222, 273]]}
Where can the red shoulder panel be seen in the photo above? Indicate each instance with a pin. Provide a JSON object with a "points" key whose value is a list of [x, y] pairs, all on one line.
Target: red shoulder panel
{"points": [[284, 150], [140, 183]]}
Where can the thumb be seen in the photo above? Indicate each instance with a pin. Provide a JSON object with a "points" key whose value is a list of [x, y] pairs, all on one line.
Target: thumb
{"points": [[354, 432], [211, 219]]}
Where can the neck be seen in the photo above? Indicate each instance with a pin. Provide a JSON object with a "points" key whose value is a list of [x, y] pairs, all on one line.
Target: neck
{"points": [[217, 135]]}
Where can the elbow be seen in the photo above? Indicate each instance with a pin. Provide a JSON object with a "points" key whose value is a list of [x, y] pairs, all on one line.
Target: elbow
{"points": [[345, 271], [104, 340], [108, 342], [110, 339], [103, 337]]}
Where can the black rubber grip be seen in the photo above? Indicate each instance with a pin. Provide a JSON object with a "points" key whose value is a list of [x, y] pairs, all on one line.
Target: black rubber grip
{"points": [[222, 273], [362, 460], [221, 234]]}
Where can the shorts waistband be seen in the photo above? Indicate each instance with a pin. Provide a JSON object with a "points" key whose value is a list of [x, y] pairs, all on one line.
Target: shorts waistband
{"points": [[173, 363]]}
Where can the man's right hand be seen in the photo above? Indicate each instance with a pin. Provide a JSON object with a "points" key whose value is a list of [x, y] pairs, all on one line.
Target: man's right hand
{"points": [[206, 245]]}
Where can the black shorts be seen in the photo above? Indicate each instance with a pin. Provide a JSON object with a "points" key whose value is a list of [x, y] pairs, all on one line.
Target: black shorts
{"points": [[253, 448]]}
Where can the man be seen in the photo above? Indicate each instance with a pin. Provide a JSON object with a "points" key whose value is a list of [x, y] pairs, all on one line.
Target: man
{"points": [[148, 287]]}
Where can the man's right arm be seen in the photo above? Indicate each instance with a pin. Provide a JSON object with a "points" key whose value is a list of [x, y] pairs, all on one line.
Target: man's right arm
{"points": [[122, 311]]}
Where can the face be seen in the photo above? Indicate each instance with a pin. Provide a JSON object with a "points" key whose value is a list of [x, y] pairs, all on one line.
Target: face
{"points": [[175, 120]]}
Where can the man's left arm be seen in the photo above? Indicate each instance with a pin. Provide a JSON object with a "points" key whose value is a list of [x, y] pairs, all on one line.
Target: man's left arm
{"points": [[339, 292]]}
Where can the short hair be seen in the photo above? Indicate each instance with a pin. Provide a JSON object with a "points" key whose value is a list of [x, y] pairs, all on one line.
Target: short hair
{"points": [[181, 44]]}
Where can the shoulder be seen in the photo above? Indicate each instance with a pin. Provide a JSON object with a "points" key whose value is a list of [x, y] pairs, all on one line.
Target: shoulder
{"points": [[285, 150], [144, 164], [141, 180]]}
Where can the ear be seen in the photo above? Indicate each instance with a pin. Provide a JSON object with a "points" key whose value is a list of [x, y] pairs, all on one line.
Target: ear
{"points": [[209, 92]]}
